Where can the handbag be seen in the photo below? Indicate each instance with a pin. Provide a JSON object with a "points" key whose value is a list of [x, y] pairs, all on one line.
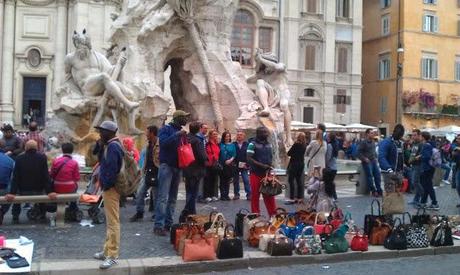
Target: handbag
{"points": [[229, 170], [182, 235], [239, 219], [370, 219], [417, 237], [379, 232], [266, 237], [336, 243], [442, 235], [185, 154], [16, 261], [322, 228], [305, 217], [248, 221], [393, 203], [279, 218], [270, 185], [230, 247], [397, 239], [209, 223], [259, 228], [307, 243], [280, 245], [336, 217], [360, 242], [199, 249], [217, 229]]}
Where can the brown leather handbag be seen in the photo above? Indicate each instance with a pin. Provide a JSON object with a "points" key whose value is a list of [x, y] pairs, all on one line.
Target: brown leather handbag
{"points": [[189, 232], [259, 228], [199, 248], [305, 217], [379, 233]]}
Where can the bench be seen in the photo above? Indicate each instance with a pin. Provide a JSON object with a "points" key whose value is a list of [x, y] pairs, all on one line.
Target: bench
{"points": [[60, 200]]}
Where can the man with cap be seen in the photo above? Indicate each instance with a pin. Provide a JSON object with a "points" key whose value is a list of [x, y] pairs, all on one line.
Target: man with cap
{"points": [[13, 145], [110, 161], [30, 177], [169, 174]]}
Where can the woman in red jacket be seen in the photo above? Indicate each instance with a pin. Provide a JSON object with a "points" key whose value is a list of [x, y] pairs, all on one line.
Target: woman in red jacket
{"points": [[213, 168]]}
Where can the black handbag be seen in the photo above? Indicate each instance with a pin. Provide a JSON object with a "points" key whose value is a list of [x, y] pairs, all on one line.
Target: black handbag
{"points": [[280, 245], [421, 218], [442, 235], [229, 170], [370, 219], [6, 252], [16, 261], [150, 177], [230, 248], [270, 185], [239, 220], [397, 239]]}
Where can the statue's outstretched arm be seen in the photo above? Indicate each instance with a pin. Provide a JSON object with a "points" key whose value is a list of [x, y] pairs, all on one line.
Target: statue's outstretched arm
{"points": [[280, 67]]}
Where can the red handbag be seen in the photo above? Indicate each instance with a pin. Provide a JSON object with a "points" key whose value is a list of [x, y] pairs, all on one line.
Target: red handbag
{"points": [[359, 243], [185, 153], [322, 228]]}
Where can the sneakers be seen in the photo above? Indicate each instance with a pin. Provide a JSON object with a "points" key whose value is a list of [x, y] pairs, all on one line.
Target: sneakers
{"points": [[99, 256], [421, 206], [215, 199], [208, 200], [434, 207], [138, 216], [108, 263], [235, 198], [446, 181]]}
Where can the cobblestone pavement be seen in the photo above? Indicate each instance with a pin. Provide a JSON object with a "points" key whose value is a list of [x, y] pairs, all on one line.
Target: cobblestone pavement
{"points": [[426, 265], [137, 240]]}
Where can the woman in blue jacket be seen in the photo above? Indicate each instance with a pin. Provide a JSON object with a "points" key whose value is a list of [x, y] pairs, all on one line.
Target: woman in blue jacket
{"points": [[226, 158], [426, 178]]}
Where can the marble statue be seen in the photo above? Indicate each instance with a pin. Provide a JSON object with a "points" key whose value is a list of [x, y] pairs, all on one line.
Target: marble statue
{"points": [[94, 76], [272, 88]]}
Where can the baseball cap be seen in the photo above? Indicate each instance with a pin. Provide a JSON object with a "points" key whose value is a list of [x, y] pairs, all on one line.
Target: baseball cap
{"points": [[179, 113], [108, 125]]}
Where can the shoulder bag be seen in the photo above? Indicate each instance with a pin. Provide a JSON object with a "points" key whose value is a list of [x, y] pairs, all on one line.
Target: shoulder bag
{"points": [[185, 154]]}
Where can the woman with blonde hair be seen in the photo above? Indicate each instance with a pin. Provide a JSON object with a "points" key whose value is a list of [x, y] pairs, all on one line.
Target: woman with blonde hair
{"points": [[316, 153], [296, 168]]}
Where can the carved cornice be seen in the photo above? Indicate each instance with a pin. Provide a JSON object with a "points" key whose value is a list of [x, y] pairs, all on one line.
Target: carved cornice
{"points": [[37, 2]]}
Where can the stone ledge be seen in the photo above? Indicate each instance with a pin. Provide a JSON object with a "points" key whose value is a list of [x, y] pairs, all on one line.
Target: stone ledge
{"points": [[253, 259]]}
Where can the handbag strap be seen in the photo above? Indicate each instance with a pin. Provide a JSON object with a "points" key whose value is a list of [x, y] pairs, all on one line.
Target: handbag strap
{"points": [[395, 220], [280, 211], [372, 207], [317, 215], [245, 210], [61, 166], [211, 214], [310, 158], [308, 228], [420, 209], [226, 230], [216, 219], [404, 219]]}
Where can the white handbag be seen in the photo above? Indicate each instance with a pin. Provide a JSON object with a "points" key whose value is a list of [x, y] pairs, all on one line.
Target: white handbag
{"points": [[218, 225], [248, 222], [265, 238]]}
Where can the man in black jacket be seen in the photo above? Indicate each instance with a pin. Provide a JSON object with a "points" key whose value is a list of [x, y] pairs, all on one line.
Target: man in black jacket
{"points": [[243, 168], [30, 177], [194, 172]]}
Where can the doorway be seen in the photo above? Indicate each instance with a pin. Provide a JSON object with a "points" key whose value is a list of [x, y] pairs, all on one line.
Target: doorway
{"points": [[34, 100]]}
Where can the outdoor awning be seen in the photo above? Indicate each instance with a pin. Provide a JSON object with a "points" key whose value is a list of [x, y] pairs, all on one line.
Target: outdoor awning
{"points": [[358, 127], [331, 127], [451, 129], [299, 125]]}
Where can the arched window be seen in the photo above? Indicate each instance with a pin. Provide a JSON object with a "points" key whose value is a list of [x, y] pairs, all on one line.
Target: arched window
{"points": [[243, 37]]}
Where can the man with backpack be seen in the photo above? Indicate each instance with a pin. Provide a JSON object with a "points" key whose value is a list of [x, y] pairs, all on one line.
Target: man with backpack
{"points": [[111, 156], [431, 158]]}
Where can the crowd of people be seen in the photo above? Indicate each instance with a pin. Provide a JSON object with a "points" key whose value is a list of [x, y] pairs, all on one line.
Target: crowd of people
{"points": [[218, 164]]}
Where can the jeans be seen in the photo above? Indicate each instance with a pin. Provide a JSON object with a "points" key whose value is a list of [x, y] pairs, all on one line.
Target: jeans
{"points": [[426, 179], [416, 174], [140, 196], [112, 214], [446, 168], [236, 183], [224, 185], [296, 181], [372, 171], [192, 185], [168, 185]]}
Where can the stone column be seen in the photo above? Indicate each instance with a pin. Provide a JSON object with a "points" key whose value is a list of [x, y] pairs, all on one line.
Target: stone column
{"points": [[60, 47], [6, 98]]}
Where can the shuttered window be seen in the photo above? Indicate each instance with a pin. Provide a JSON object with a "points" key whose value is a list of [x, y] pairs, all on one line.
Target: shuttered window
{"points": [[342, 60], [341, 100], [311, 6], [310, 57], [308, 114], [343, 8], [430, 23], [429, 68], [384, 67]]}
